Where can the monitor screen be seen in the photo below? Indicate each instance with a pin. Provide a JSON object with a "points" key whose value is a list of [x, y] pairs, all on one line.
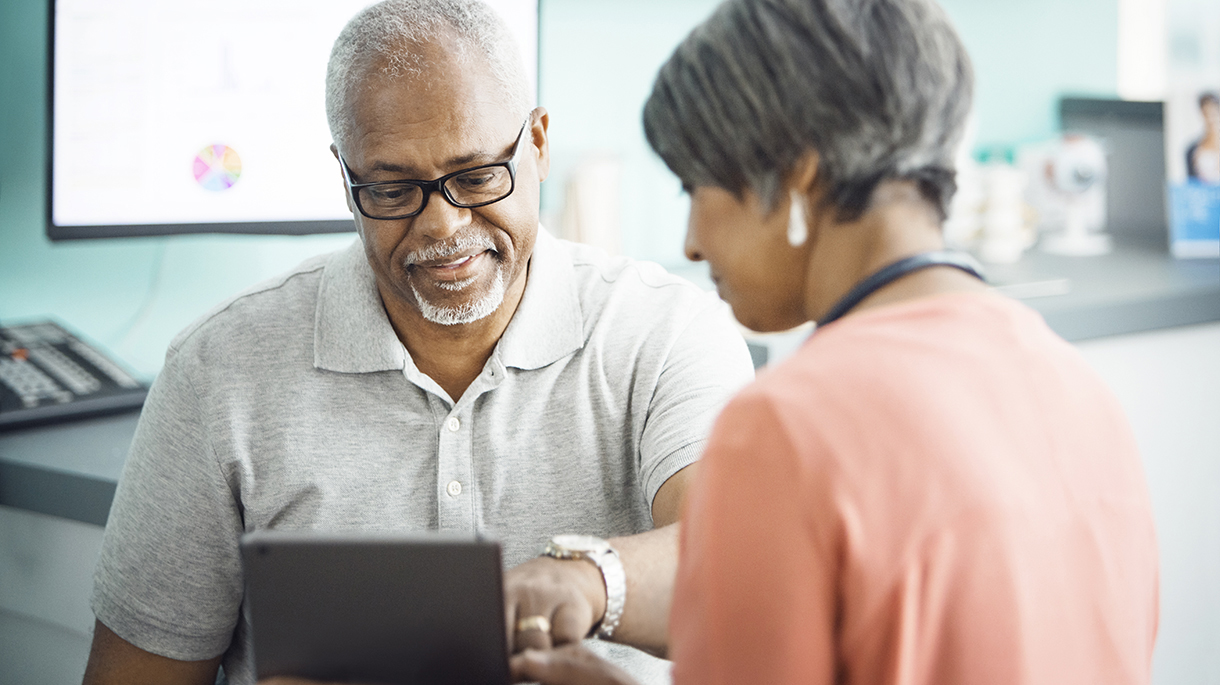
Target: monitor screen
{"points": [[202, 116]]}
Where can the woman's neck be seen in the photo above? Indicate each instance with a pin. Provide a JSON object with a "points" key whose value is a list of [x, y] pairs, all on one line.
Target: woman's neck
{"points": [[898, 223]]}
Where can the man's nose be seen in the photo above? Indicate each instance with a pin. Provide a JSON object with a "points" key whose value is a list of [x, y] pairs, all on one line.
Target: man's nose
{"points": [[440, 219]]}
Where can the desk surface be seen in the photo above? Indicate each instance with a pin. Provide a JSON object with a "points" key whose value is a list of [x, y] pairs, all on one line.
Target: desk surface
{"points": [[71, 469], [1131, 290], [66, 469]]}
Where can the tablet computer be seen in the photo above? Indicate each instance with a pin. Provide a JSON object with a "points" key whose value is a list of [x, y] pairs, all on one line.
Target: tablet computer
{"points": [[417, 608]]}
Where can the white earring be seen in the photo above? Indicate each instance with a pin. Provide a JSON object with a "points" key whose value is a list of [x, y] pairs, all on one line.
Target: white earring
{"points": [[798, 230]]}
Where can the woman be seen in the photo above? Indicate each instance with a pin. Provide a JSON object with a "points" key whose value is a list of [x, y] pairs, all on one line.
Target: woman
{"points": [[934, 488], [1203, 155]]}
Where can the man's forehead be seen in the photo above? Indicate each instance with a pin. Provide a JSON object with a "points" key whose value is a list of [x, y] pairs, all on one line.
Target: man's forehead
{"points": [[426, 123], [430, 152]]}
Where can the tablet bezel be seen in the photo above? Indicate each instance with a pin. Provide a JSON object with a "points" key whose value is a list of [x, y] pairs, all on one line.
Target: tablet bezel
{"points": [[417, 608]]}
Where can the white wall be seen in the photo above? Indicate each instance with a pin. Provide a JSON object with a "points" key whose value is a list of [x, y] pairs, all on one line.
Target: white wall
{"points": [[46, 571], [1169, 383]]}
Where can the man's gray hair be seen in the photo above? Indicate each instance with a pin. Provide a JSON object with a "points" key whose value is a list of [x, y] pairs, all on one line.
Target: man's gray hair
{"points": [[879, 88], [388, 36]]}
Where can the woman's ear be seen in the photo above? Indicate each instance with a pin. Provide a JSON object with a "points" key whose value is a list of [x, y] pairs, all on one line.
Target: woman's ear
{"points": [[804, 174], [800, 185]]}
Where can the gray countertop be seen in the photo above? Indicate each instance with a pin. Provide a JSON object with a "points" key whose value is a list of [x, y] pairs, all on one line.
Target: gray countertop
{"points": [[66, 469], [1132, 289], [70, 469]]}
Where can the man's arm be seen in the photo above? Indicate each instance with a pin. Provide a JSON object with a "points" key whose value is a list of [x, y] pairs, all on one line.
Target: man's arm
{"points": [[572, 595], [113, 660], [705, 363]]}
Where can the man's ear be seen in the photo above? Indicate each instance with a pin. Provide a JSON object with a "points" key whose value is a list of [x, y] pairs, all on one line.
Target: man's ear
{"points": [[540, 121], [347, 197]]}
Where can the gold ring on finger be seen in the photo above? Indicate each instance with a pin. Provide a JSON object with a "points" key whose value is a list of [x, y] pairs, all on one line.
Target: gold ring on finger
{"points": [[540, 623]]}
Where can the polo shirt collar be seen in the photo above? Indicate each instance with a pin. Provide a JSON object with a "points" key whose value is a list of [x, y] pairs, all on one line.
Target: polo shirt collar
{"points": [[548, 324], [352, 333]]}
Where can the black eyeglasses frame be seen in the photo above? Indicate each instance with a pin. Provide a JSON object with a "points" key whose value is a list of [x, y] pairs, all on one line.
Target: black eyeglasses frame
{"points": [[438, 185]]}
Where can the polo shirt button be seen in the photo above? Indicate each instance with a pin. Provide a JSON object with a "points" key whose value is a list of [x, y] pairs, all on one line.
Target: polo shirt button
{"points": [[453, 424], [454, 488]]}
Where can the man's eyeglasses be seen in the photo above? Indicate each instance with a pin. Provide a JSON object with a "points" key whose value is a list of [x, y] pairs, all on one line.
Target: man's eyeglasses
{"points": [[466, 188]]}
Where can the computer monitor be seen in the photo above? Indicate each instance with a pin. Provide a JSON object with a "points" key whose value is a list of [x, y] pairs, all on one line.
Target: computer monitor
{"points": [[203, 116]]}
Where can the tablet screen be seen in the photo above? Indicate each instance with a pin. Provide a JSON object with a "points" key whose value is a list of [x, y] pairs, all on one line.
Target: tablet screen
{"points": [[376, 607]]}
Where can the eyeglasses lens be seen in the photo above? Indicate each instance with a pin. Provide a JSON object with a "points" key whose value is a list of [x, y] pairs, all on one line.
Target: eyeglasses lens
{"points": [[480, 186], [474, 187], [391, 199]]}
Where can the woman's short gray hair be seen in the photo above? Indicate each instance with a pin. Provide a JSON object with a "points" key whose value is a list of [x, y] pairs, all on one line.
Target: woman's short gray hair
{"points": [[387, 36], [879, 88]]}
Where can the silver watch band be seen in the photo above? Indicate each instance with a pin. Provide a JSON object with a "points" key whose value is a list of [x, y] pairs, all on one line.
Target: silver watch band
{"points": [[615, 579], [608, 562]]}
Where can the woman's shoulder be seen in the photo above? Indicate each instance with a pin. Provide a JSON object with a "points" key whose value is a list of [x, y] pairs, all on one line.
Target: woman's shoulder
{"points": [[886, 362], [949, 324]]}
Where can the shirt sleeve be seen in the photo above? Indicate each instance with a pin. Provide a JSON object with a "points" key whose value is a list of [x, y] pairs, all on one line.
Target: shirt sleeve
{"points": [[706, 364], [169, 576], [755, 594]]}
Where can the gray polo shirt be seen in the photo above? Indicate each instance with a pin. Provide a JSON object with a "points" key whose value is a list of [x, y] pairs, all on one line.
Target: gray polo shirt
{"points": [[295, 406]]}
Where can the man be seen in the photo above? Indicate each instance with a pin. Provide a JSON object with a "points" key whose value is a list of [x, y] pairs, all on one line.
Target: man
{"points": [[457, 369]]}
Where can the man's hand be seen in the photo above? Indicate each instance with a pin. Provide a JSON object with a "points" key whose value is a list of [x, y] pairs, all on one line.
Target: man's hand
{"points": [[568, 594], [569, 665]]}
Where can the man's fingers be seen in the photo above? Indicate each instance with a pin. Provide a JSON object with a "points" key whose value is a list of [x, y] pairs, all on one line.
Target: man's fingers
{"points": [[529, 666], [547, 589], [532, 630], [570, 623], [510, 620]]}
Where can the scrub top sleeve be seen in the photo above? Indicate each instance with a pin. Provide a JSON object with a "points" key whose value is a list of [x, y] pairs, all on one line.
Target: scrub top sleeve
{"points": [[707, 363], [755, 595], [169, 576]]}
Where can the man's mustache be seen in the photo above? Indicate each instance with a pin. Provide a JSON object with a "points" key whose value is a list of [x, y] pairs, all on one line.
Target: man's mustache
{"points": [[449, 248]]}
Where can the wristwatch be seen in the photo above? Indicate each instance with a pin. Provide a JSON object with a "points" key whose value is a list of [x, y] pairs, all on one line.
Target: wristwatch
{"points": [[606, 557]]}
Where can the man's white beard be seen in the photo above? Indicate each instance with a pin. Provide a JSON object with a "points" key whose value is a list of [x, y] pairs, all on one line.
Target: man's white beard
{"points": [[468, 312]]}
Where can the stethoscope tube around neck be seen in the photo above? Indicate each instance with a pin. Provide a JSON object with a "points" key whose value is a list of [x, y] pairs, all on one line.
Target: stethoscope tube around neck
{"points": [[888, 274]]}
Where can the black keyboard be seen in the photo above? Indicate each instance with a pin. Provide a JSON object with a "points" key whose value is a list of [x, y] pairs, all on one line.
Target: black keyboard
{"points": [[48, 374]]}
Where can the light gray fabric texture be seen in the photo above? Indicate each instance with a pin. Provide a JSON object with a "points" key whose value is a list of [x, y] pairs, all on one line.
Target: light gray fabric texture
{"points": [[295, 406]]}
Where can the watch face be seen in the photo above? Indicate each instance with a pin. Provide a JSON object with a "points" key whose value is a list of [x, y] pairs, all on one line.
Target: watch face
{"points": [[580, 543]]}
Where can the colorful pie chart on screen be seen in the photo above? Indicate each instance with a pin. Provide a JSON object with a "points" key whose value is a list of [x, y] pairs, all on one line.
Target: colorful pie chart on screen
{"points": [[217, 167]]}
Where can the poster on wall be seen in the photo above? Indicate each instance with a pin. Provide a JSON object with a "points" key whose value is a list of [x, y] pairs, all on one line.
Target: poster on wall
{"points": [[1192, 128]]}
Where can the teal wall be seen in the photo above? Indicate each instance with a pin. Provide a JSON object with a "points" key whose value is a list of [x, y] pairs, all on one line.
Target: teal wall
{"points": [[132, 294], [1028, 52], [598, 60]]}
